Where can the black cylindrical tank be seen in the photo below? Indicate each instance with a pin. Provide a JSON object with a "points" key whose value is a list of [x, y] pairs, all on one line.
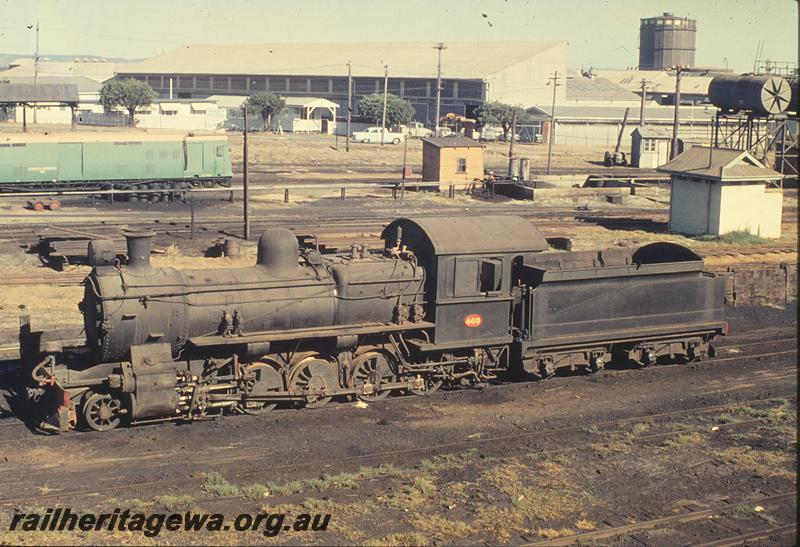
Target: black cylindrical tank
{"points": [[762, 95]]}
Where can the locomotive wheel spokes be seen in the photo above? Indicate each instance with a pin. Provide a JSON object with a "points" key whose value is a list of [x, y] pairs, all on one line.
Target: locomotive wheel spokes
{"points": [[264, 378], [370, 370], [316, 374], [102, 412]]}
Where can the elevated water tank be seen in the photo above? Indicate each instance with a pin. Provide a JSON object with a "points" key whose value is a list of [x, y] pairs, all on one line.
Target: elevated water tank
{"points": [[666, 41]]}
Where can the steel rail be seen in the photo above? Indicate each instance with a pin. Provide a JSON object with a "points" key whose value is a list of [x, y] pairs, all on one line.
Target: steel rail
{"points": [[381, 456]]}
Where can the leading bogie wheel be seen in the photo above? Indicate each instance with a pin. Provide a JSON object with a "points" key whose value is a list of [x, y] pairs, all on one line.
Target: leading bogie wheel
{"points": [[317, 375], [371, 370], [102, 412], [262, 379]]}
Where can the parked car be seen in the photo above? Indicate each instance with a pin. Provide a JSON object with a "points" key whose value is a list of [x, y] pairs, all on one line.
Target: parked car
{"points": [[373, 134], [416, 130], [489, 133]]}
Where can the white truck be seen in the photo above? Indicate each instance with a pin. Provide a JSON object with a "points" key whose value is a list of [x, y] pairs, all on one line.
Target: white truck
{"points": [[373, 134]]}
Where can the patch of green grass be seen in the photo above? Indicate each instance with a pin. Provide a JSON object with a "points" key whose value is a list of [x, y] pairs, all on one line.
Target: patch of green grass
{"points": [[339, 480], [423, 485], [684, 439], [592, 429], [135, 504], [291, 487], [218, 486], [737, 237], [445, 461], [175, 503], [255, 491], [726, 418]]}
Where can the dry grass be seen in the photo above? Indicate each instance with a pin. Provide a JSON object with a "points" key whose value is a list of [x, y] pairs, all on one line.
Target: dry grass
{"points": [[684, 439], [552, 533], [400, 540], [441, 528], [585, 525], [761, 462]]}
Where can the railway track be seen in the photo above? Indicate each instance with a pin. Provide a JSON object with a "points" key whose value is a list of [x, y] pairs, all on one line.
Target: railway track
{"points": [[772, 374], [678, 522]]}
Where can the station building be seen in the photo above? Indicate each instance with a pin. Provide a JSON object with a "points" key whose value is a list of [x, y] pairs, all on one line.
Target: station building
{"points": [[472, 72]]}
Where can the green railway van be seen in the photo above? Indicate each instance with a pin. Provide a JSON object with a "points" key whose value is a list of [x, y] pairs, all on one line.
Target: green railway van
{"points": [[118, 160]]}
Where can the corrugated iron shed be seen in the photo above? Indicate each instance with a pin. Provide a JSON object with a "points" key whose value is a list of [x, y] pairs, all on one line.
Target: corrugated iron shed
{"points": [[452, 142], [40, 93], [719, 163]]}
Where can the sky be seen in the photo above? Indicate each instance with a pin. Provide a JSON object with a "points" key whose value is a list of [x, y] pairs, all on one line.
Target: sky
{"points": [[601, 33]]}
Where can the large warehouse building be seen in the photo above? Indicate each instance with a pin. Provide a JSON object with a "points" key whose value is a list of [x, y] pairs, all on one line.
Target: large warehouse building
{"points": [[472, 72]]}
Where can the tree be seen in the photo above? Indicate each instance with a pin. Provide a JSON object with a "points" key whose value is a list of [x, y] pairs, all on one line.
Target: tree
{"points": [[129, 94], [497, 113], [267, 105], [397, 110]]}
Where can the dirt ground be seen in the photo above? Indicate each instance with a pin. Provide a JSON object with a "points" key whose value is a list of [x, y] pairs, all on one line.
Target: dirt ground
{"points": [[510, 464]]}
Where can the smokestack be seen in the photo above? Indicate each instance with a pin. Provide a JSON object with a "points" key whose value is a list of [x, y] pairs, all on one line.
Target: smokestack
{"points": [[139, 242]]}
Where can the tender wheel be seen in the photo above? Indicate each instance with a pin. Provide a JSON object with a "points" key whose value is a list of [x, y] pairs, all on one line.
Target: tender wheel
{"points": [[314, 373], [102, 412], [263, 379], [370, 370], [425, 386]]}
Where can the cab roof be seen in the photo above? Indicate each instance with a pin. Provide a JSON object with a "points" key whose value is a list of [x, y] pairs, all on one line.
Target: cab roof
{"points": [[462, 234]]}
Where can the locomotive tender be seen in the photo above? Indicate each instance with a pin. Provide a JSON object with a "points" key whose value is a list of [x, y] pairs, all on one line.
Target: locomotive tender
{"points": [[449, 300], [148, 162]]}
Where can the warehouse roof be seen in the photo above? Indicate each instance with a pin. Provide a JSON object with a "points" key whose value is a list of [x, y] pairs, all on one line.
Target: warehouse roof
{"points": [[85, 85], [40, 93], [125, 136], [719, 163], [700, 114], [580, 88], [452, 142], [405, 59]]}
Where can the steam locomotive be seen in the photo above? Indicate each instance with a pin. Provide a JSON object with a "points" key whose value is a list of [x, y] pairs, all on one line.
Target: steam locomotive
{"points": [[456, 301]]}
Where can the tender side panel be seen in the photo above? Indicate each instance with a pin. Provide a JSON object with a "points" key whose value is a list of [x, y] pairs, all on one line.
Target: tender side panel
{"points": [[582, 309]]}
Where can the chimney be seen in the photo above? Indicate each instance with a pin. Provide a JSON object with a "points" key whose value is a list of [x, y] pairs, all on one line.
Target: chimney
{"points": [[138, 242]]}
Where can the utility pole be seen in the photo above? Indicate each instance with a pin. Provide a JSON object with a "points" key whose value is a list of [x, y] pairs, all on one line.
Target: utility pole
{"points": [[440, 46], [36, 67], [677, 120], [349, 104], [511, 144], [385, 91], [245, 183], [551, 137], [641, 105]]}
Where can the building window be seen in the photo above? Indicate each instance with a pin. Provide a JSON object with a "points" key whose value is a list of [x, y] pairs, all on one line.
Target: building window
{"points": [[416, 88], [340, 85], [203, 82], [277, 84], [185, 82], [469, 90], [364, 86], [394, 87], [649, 145], [298, 85], [238, 83], [461, 165], [220, 82], [319, 85], [154, 81], [258, 84]]}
